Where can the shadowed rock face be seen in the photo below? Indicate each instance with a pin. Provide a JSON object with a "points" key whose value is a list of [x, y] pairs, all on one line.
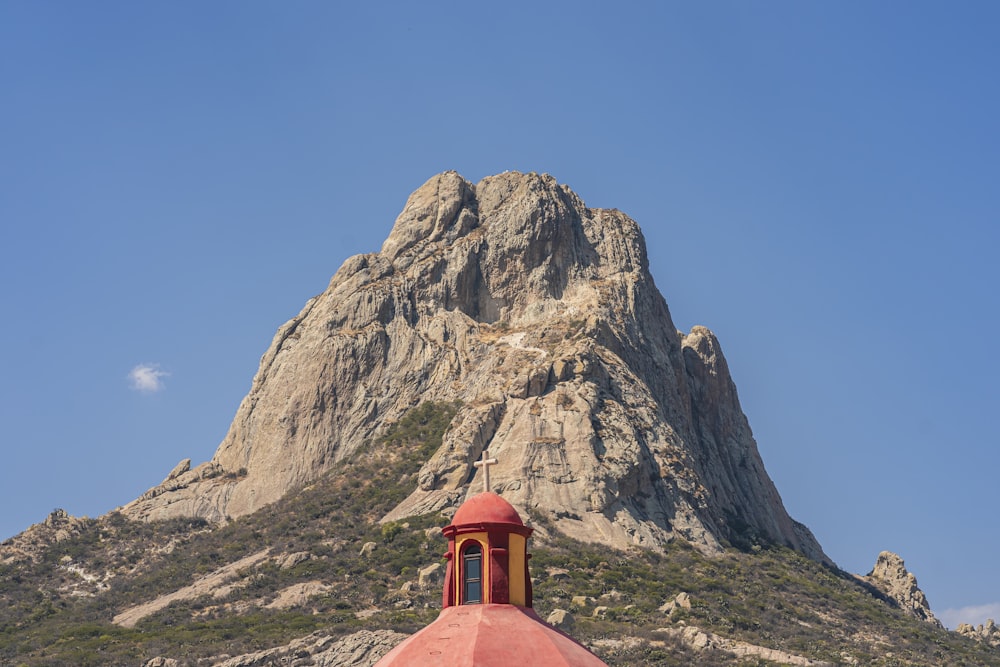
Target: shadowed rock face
{"points": [[540, 315]]}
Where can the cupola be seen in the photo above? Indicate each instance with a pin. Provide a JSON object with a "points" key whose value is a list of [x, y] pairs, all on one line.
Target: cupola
{"points": [[487, 554], [487, 619]]}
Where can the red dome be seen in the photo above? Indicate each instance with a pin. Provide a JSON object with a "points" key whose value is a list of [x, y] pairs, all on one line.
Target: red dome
{"points": [[486, 507], [489, 635]]}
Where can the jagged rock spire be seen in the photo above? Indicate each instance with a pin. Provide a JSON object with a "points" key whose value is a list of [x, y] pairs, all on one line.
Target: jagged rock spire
{"points": [[892, 578]]}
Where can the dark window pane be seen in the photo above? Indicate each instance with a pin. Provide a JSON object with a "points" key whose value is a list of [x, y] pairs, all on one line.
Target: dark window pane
{"points": [[473, 592], [473, 569], [472, 574]]}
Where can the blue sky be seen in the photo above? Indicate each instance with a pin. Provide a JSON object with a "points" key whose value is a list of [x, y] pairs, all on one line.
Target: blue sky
{"points": [[817, 183]]}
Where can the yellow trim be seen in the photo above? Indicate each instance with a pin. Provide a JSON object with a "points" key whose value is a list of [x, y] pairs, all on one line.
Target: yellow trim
{"points": [[517, 549], [483, 539]]}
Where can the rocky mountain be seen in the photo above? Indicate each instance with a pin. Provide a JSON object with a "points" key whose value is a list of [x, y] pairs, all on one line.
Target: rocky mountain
{"points": [[539, 315], [503, 317]]}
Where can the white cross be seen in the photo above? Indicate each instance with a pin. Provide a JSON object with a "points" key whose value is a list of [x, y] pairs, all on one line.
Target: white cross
{"points": [[485, 464]]}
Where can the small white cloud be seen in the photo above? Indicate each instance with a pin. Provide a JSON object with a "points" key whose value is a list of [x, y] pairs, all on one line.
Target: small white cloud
{"points": [[147, 378], [973, 615]]}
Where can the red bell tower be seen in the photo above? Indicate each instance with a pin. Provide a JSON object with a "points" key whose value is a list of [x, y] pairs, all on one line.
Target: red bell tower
{"points": [[487, 554]]}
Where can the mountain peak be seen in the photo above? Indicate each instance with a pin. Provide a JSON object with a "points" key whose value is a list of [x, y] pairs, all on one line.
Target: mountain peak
{"points": [[540, 316], [515, 242]]}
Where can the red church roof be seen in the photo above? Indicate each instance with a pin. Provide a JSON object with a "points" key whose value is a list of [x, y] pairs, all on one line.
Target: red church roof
{"points": [[490, 635], [486, 508]]}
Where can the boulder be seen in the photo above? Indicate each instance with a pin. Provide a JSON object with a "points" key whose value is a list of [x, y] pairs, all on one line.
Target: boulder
{"points": [[560, 618], [430, 576]]}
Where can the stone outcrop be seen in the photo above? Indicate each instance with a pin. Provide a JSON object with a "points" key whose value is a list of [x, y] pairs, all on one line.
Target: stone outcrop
{"points": [[988, 633], [681, 601], [537, 313], [160, 661], [892, 578], [360, 649], [431, 576], [297, 594], [562, 619], [703, 640], [31, 544], [215, 583]]}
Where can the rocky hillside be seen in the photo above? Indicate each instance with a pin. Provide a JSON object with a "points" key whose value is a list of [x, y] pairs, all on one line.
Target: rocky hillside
{"points": [[315, 579], [540, 317], [503, 316]]}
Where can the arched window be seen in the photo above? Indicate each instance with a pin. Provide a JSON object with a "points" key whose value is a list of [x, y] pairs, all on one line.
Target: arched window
{"points": [[472, 574]]}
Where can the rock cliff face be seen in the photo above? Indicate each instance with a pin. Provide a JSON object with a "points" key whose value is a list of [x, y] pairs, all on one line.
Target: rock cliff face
{"points": [[540, 316]]}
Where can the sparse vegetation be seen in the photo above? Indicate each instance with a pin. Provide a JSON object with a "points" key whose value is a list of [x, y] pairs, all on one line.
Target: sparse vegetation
{"points": [[765, 595]]}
